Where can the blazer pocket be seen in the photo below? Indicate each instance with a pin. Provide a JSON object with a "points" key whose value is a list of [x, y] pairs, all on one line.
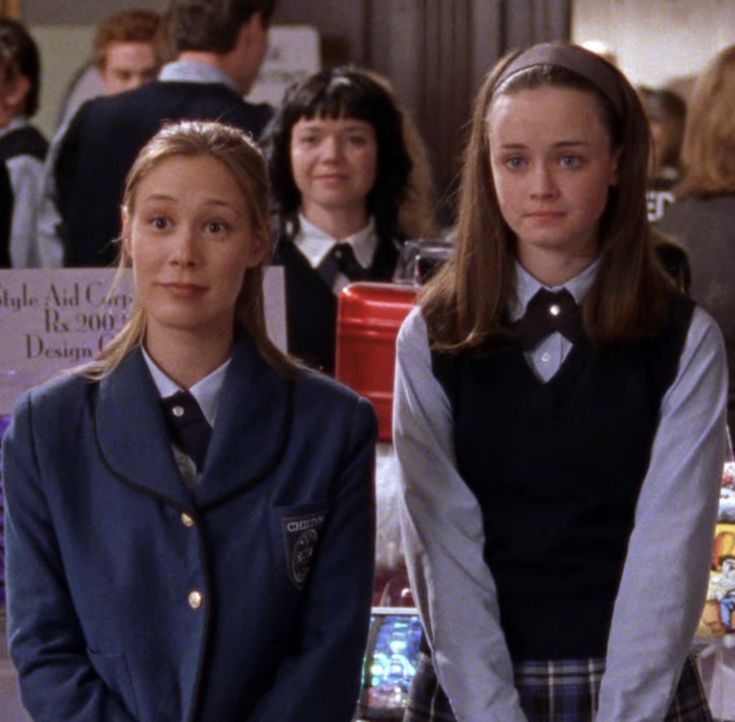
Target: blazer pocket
{"points": [[298, 529], [114, 672]]}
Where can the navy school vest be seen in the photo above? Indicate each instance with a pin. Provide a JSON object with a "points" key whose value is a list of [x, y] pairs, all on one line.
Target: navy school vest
{"points": [[557, 468], [311, 306]]}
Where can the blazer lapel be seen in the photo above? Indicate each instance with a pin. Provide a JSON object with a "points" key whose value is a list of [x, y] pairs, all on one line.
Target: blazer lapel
{"points": [[131, 432], [251, 428]]}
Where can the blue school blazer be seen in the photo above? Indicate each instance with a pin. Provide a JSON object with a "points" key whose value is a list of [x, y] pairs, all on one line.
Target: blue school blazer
{"points": [[133, 598]]}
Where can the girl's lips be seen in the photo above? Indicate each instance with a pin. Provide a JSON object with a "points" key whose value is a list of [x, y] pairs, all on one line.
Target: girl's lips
{"points": [[184, 290], [545, 215]]}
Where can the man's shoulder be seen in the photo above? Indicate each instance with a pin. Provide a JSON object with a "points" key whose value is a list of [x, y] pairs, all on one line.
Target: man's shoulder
{"points": [[174, 100]]}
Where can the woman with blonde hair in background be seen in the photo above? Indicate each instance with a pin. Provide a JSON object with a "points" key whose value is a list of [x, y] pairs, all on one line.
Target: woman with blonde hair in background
{"points": [[701, 218]]}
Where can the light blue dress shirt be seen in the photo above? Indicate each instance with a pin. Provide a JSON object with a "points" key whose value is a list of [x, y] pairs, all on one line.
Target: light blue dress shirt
{"points": [[665, 574], [207, 392]]}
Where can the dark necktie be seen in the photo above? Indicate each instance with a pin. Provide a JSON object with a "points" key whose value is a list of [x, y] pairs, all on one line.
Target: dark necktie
{"points": [[341, 259], [189, 429], [549, 312]]}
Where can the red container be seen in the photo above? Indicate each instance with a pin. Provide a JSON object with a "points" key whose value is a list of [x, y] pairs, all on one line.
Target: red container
{"points": [[368, 320]]}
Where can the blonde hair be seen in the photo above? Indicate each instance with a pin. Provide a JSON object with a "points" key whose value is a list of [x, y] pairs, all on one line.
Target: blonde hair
{"points": [[708, 151], [240, 155]]}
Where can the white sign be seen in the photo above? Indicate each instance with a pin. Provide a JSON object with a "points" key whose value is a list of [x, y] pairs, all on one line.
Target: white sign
{"points": [[274, 301], [293, 54], [51, 320]]}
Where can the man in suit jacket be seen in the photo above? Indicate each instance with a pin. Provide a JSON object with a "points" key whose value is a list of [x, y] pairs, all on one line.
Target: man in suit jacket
{"points": [[221, 46]]}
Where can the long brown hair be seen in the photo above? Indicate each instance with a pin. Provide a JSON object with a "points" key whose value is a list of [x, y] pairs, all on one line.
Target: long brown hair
{"points": [[239, 154], [465, 304]]}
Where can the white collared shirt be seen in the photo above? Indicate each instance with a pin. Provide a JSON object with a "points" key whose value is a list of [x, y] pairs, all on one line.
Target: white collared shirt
{"points": [[315, 244]]}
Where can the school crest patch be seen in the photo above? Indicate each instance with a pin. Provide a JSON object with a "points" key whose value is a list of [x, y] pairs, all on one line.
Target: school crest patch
{"points": [[301, 534]]}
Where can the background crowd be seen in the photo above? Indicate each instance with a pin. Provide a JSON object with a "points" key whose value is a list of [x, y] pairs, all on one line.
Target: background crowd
{"points": [[351, 198]]}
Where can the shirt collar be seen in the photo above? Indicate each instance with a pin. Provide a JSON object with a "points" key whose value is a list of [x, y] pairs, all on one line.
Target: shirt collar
{"points": [[527, 286], [191, 71], [206, 392], [315, 243], [19, 121]]}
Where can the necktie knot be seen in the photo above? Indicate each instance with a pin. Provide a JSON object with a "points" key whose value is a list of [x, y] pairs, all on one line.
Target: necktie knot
{"points": [[189, 429], [344, 257], [341, 259], [546, 313]]}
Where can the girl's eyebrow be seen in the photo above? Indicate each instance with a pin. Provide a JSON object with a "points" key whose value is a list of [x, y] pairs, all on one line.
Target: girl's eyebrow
{"points": [[559, 144], [154, 197], [157, 197], [570, 143]]}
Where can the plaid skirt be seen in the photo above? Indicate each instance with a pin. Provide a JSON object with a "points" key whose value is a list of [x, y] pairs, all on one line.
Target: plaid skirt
{"points": [[554, 691]]}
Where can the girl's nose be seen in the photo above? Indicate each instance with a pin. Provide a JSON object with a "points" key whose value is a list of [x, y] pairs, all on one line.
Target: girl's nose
{"points": [[543, 184], [185, 247], [331, 148]]}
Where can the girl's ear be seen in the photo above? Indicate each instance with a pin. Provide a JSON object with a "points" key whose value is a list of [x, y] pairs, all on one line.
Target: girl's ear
{"points": [[258, 250], [614, 178]]}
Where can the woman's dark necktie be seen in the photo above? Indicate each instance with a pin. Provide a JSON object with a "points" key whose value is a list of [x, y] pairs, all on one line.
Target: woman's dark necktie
{"points": [[546, 313], [341, 259], [189, 428]]}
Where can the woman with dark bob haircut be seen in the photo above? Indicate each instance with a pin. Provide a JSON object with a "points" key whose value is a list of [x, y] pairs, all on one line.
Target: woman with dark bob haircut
{"points": [[340, 170]]}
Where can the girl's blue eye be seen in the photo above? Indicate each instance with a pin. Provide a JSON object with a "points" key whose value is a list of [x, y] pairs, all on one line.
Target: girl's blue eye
{"points": [[515, 163], [571, 161]]}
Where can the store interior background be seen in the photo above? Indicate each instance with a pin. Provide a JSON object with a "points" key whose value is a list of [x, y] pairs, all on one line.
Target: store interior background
{"points": [[435, 52]]}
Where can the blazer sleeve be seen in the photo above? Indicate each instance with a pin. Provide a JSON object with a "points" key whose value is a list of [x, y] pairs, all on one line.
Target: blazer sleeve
{"points": [[57, 680], [320, 681]]}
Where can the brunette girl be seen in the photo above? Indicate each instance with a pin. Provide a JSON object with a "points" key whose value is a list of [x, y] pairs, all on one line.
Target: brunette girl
{"points": [[181, 543], [559, 420]]}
